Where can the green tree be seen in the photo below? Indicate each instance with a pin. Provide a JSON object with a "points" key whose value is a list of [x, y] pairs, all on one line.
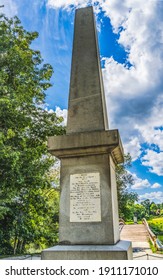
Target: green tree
{"points": [[139, 211], [126, 198], [153, 208], [25, 125], [146, 203]]}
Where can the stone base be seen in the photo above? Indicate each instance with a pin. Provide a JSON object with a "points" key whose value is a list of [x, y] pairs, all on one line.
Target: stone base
{"points": [[120, 251]]}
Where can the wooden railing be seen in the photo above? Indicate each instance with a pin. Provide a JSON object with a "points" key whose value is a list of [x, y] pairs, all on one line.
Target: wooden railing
{"points": [[121, 224], [153, 238]]}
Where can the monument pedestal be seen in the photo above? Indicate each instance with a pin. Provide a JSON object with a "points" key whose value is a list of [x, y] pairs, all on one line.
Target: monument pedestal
{"points": [[88, 200], [120, 251]]}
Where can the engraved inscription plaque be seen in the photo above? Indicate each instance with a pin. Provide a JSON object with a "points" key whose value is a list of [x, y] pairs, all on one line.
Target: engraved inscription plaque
{"points": [[85, 200]]}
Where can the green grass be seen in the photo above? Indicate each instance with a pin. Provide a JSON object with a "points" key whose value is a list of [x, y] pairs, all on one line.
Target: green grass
{"points": [[153, 248], [160, 237], [156, 225], [132, 223]]}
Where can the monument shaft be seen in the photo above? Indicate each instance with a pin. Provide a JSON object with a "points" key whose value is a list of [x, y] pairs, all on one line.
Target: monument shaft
{"points": [[87, 107]]}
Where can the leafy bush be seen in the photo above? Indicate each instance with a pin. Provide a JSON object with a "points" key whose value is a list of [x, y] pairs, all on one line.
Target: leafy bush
{"points": [[156, 225]]}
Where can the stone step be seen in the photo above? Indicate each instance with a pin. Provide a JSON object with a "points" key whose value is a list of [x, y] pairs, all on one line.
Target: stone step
{"points": [[137, 234], [134, 233]]}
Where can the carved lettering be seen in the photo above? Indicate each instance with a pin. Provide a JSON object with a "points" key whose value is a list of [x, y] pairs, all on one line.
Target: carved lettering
{"points": [[85, 200]]}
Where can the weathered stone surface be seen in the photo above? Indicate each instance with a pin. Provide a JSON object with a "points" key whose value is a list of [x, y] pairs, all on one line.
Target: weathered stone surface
{"points": [[104, 232], [120, 251], [87, 143], [87, 109]]}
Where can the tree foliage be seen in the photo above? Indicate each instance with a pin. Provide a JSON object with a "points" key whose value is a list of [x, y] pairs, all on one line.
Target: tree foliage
{"points": [[126, 198], [25, 125]]}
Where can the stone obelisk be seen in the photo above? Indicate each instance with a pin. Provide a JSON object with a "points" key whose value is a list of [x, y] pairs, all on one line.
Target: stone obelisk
{"points": [[88, 221]]}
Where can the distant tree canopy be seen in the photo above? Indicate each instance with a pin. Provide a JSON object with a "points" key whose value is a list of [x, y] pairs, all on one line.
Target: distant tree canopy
{"points": [[25, 208], [126, 198]]}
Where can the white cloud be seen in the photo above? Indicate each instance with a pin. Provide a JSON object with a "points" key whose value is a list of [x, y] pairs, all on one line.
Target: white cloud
{"points": [[62, 113], [155, 186], [157, 197], [135, 94], [133, 88], [10, 8], [151, 131], [154, 161], [139, 183], [66, 3], [133, 147]]}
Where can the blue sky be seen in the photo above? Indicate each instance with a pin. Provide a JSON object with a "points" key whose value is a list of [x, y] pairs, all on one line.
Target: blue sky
{"points": [[130, 34]]}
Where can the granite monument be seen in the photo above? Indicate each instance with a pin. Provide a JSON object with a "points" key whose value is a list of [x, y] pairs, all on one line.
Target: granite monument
{"points": [[88, 222]]}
